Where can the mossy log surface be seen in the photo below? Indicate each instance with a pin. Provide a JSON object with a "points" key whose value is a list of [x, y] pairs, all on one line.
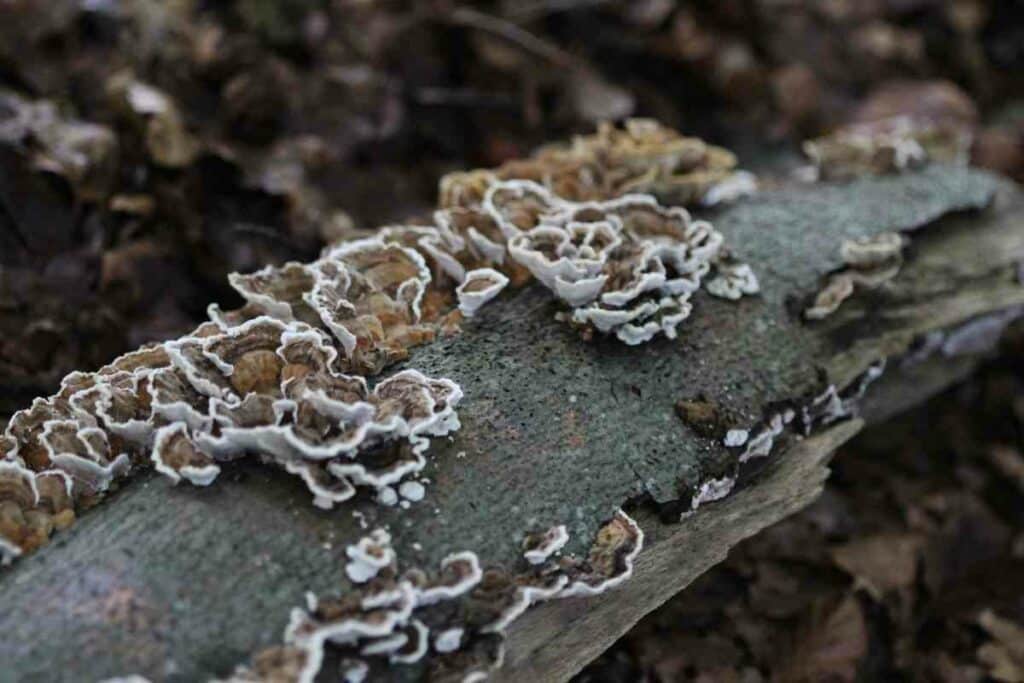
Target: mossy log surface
{"points": [[181, 583]]}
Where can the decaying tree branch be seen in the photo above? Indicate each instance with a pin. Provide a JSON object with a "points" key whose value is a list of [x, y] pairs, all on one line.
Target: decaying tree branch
{"points": [[557, 434]]}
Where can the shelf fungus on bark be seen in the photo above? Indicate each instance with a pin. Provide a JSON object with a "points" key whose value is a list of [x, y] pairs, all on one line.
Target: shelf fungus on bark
{"points": [[451, 621], [641, 156], [367, 293], [283, 378], [626, 266], [32, 506], [870, 263], [888, 145], [265, 387], [479, 287], [370, 555], [804, 416], [539, 547]]}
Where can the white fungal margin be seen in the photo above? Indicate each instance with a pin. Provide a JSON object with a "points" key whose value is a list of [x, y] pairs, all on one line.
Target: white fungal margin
{"points": [[736, 186], [711, 490], [449, 640], [736, 437], [353, 670], [367, 557], [8, 551], [547, 544], [580, 588], [479, 287], [387, 617]]}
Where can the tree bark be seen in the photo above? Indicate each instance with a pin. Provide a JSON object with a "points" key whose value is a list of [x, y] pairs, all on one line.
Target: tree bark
{"points": [[180, 583]]}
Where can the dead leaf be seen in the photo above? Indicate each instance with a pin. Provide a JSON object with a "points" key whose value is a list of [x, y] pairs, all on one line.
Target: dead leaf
{"points": [[881, 563], [596, 99], [1009, 462], [1004, 655], [829, 645]]}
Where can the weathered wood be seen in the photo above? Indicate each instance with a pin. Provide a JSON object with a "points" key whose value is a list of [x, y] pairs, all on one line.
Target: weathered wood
{"points": [[554, 640], [183, 583]]}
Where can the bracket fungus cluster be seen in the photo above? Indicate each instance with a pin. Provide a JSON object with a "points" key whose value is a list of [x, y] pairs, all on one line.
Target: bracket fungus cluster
{"points": [[804, 416], [626, 266], [870, 263], [887, 145], [284, 377], [641, 156], [457, 614], [263, 387]]}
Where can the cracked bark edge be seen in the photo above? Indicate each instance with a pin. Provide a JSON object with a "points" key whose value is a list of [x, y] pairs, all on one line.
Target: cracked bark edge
{"points": [[555, 640]]}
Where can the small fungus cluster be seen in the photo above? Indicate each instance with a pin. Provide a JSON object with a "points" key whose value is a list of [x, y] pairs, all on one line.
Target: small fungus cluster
{"points": [[820, 410], [459, 612], [886, 146], [870, 263], [804, 416], [626, 266], [642, 156]]}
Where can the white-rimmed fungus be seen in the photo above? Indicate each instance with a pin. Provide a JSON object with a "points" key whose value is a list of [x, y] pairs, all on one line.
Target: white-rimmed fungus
{"points": [[353, 670], [449, 640], [710, 491], [870, 263], [176, 456], [886, 146], [412, 491], [539, 547], [283, 377], [641, 156], [733, 281], [479, 287], [462, 611], [735, 437], [262, 387], [370, 555], [626, 266], [826, 302]]}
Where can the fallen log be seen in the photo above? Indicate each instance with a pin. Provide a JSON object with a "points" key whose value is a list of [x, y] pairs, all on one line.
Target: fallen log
{"points": [[180, 583]]}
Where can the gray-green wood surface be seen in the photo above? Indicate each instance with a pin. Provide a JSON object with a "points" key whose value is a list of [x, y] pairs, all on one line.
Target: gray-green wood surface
{"points": [[180, 583]]}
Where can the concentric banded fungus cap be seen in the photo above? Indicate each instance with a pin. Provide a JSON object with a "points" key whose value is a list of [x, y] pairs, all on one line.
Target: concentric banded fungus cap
{"points": [[23, 525], [611, 557], [627, 265], [176, 455], [479, 287], [539, 547]]}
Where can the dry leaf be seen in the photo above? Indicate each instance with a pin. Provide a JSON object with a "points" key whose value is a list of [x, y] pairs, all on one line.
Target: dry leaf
{"points": [[828, 646], [881, 563]]}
